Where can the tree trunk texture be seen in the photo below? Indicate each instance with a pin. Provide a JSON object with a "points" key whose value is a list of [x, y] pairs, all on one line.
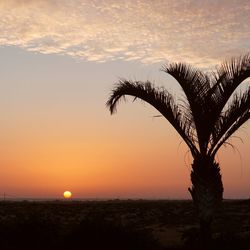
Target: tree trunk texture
{"points": [[207, 193]]}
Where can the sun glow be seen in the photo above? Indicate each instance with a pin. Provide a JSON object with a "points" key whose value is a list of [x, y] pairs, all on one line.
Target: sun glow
{"points": [[67, 194]]}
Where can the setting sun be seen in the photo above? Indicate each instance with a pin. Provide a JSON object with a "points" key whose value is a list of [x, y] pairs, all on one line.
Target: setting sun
{"points": [[67, 194]]}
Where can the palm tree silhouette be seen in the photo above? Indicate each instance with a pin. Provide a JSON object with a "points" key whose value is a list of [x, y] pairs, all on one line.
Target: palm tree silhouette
{"points": [[210, 115]]}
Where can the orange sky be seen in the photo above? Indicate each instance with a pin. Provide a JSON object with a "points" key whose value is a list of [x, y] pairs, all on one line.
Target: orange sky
{"points": [[56, 133]]}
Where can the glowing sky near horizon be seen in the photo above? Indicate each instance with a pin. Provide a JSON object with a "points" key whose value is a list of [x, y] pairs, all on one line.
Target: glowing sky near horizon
{"points": [[59, 60]]}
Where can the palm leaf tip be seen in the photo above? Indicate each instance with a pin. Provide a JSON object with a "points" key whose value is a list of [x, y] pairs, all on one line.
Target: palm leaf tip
{"points": [[111, 104], [116, 93], [136, 89]]}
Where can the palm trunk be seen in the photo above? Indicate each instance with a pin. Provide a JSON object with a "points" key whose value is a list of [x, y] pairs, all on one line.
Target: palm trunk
{"points": [[206, 191]]}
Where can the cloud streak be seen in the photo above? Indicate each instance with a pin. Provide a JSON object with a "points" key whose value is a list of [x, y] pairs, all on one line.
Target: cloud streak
{"points": [[199, 32]]}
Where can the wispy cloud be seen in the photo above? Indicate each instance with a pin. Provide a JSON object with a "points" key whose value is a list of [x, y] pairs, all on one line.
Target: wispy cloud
{"points": [[200, 32]]}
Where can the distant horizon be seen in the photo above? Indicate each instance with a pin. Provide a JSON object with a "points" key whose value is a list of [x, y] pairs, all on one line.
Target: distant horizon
{"points": [[107, 198]]}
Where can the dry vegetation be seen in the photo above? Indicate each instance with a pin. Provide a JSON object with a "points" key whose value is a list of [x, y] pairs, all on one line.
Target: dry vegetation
{"points": [[123, 225]]}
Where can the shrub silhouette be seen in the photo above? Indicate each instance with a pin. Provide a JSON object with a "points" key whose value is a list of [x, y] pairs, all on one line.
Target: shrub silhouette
{"points": [[101, 234]]}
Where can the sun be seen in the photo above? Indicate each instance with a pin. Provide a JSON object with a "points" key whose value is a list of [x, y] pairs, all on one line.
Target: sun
{"points": [[67, 194]]}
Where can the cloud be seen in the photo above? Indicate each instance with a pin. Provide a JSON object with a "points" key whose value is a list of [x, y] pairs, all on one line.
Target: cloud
{"points": [[199, 32]]}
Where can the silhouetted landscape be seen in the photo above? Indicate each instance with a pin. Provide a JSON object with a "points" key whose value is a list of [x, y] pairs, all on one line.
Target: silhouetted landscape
{"points": [[119, 224], [65, 65]]}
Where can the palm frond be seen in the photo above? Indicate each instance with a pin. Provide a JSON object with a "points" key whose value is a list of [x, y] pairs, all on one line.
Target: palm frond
{"points": [[236, 125], [238, 107], [227, 78], [196, 86], [162, 100]]}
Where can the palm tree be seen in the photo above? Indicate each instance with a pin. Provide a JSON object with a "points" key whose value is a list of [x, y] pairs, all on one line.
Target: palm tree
{"points": [[210, 114]]}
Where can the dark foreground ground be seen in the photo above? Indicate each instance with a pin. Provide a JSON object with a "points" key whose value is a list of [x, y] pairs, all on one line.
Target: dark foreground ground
{"points": [[120, 225]]}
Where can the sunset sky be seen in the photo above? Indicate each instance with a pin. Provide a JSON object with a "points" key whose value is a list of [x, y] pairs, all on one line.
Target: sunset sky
{"points": [[59, 60]]}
